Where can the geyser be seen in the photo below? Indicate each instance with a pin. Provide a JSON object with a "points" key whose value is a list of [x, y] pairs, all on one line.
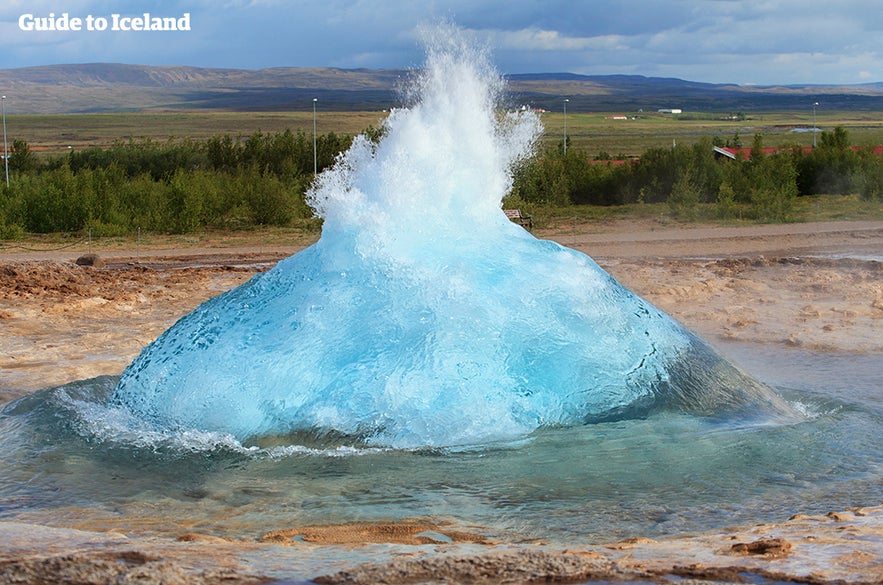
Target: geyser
{"points": [[422, 316]]}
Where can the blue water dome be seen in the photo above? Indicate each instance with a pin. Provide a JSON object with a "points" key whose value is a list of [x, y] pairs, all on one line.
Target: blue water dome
{"points": [[423, 317]]}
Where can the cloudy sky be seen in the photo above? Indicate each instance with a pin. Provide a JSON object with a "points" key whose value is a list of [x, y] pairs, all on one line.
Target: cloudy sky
{"points": [[723, 41]]}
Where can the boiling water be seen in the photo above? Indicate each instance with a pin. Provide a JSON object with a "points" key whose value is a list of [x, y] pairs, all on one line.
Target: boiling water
{"points": [[429, 358], [67, 461], [423, 317]]}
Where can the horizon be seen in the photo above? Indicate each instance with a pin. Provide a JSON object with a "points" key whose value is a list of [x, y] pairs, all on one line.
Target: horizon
{"points": [[550, 74]]}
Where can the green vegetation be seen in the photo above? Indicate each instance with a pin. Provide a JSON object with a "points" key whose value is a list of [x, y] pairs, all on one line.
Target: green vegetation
{"points": [[595, 133], [122, 185], [54, 134], [598, 133], [761, 187], [171, 187]]}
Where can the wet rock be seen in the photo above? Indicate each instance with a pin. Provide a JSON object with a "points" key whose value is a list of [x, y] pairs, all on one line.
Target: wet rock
{"points": [[527, 566], [206, 538], [362, 533], [93, 260], [113, 567], [766, 547], [630, 543]]}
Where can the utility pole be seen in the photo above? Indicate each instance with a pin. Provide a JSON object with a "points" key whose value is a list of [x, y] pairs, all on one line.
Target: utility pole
{"points": [[5, 149], [315, 159]]}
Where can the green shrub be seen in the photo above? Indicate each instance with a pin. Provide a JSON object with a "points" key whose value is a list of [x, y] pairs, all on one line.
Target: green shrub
{"points": [[726, 201], [684, 198], [11, 231], [869, 179], [774, 188], [184, 205]]}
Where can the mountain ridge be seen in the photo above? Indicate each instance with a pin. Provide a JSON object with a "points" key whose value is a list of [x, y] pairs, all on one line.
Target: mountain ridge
{"points": [[115, 87]]}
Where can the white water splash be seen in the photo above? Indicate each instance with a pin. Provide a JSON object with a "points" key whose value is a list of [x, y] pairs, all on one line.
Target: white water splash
{"points": [[423, 317]]}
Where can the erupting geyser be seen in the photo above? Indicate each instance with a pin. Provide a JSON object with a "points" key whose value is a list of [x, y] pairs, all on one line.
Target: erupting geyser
{"points": [[422, 316]]}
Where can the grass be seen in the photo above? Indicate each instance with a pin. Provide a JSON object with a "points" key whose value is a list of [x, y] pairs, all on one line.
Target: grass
{"points": [[271, 237], [837, 208], [592, 132], [596, 133], [53, 134], [806, 209]]}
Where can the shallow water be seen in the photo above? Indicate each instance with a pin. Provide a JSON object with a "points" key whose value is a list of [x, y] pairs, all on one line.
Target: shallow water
{"points": [[423, 316], [69, 460]]}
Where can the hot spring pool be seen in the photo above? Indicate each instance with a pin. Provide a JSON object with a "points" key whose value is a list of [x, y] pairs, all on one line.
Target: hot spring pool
{"points": [[68, 462], [424, 317]]}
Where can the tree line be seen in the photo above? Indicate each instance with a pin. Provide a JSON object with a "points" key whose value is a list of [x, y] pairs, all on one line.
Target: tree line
{"points": [[176, 186], [180, 186], [762, 186]]}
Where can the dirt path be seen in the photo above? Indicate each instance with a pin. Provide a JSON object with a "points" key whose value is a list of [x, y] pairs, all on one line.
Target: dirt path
{"points": [[613, 239], [645, 239]]}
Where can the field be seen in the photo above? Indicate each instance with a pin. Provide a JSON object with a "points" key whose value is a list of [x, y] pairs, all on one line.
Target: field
{"points": [[54, 134], [595, 133]]}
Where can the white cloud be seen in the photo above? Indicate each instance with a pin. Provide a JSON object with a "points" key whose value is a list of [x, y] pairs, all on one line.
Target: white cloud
{"points": [[534, 39], [775, 41]]}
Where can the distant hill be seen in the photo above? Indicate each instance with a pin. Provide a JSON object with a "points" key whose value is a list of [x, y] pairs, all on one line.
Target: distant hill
{"points": [[607, 93], [112, 87]]}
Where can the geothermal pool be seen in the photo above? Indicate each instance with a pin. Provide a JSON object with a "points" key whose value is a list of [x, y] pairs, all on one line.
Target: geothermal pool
{"points": [[65, 463], [427, 358], [423, 317]]}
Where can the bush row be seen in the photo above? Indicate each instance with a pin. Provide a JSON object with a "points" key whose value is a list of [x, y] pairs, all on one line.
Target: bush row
{"points": [[762, 185], [172, 187], [108, 202], [226, 182]]}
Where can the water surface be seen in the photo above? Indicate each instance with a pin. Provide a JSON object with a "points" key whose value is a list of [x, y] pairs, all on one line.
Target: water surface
{"points": [[70, 460]]}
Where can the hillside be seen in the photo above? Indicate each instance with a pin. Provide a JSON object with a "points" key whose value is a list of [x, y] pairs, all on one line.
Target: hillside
{"points": [[109, 87], [112, 87]]}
